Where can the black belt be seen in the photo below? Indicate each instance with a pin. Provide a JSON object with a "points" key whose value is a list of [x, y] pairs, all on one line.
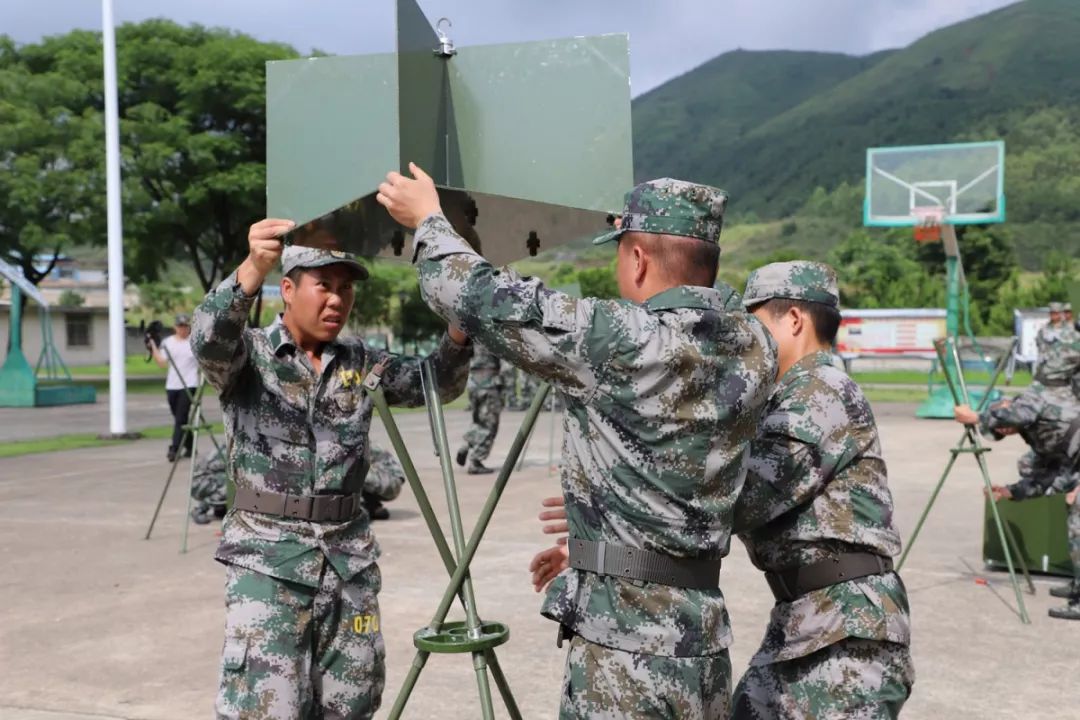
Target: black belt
{"points": [[790, 584], [316, 508], [606, 558]]}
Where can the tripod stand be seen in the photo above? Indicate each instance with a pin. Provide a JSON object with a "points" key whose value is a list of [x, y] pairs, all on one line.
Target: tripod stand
{"points": [[196, 423], [970, 443], [473, 635]]}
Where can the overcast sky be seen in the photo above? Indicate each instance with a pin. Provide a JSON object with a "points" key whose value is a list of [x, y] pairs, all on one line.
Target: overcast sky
{"points": [[667, 37]]}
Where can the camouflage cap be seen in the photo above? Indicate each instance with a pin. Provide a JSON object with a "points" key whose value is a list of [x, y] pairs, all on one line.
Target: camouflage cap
{"points": [[298, 256], [1056, 307], [798, 280], [672, 207], [182, 319]]}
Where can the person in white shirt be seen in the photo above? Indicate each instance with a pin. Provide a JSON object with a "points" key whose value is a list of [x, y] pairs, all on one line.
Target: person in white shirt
{"points": [[181, 381]]}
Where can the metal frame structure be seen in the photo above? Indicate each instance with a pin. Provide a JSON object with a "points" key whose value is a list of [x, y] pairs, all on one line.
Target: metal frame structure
{"points": [[196, 423], [971, 444], [473, 635]]}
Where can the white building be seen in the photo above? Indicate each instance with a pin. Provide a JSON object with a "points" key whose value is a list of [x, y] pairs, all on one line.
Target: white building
{"points": [[80, 334]]}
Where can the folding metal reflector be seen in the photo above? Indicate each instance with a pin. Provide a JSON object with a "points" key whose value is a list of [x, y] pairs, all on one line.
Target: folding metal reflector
{"points": [[529, 142]]}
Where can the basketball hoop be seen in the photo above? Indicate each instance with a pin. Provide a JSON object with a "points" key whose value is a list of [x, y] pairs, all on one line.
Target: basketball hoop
{"points": [[928, 225]]}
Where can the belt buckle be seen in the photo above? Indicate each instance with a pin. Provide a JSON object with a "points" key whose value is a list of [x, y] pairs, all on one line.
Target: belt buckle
{"points": [[348, 507], [297, 506], [328, 508]]}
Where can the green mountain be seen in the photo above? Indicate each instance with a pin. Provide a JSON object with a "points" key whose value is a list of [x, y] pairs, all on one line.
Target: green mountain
{"points": [[772, 127], [720, 102]]}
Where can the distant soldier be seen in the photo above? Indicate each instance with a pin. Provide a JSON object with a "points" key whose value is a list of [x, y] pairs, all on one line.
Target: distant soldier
{"points": [[383, 482], [663, 391], [208, 487], [1048, 419], [485, 404], [302, 636], [529, 386], [1058, 345], [508, 376]]}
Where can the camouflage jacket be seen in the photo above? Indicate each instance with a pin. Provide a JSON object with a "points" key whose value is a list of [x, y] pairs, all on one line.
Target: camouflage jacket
{"points": [[292, 430], [385, 476], [1048, 418], [484, 371], [1059, 354], [816, 486], [662, 400]]}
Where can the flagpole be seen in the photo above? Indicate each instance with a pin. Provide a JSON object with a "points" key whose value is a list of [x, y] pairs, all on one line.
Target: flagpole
{"points": [[117, 344]]}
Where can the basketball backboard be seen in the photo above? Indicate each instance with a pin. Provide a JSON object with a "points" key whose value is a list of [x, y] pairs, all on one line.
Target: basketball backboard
{"points": [[965, 180]]}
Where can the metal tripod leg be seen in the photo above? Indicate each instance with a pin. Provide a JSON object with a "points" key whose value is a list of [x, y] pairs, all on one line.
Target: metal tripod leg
{"points": [[1002, 363], [961, 396], [196, 403], [484, 658]]}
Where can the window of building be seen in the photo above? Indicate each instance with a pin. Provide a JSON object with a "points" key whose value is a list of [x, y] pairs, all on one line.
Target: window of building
{"points": [[78, 329]]}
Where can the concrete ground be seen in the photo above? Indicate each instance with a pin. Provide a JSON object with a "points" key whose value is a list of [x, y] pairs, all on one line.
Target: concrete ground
{"points": [[99, 623], [144, 410]]}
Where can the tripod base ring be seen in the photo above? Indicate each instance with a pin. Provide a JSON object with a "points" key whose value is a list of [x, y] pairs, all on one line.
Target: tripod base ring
{"points": [[454, 637]]}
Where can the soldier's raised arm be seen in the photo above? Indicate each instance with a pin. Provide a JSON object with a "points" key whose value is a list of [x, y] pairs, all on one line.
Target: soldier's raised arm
{"points": [[217, 329], [538, 329], [401, 376]]}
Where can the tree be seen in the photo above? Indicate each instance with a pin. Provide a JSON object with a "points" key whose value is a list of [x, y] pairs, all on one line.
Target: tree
{"points": [[599, 282], [418, 323], [194, 137], [45, 183], [881, 272]]}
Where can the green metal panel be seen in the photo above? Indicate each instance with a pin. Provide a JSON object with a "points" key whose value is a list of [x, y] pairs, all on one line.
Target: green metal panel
{"points": [[423, 103], [530, 142], [332, 131], [1038, 524], [546, 121]]}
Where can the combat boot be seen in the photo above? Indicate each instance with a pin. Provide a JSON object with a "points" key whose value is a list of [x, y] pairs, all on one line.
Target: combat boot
{"points": [[375, 509], [201, 517], [477, 468], [1069, 612], [462, 455], [1069, 591]]}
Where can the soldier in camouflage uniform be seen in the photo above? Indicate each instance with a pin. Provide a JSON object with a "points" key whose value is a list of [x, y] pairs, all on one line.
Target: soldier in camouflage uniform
{"points": [[663, 390], [508, 381], [816, 515], [1048, 419], [1058, 345], [383, 482], [208, 487], [529, 386], [485, 404], [302, 635]]}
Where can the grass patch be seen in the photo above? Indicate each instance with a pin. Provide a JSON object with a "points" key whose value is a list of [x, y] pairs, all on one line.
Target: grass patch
{"points": [[1022, 378], [77, 441], [134, 366], [894, 395]]}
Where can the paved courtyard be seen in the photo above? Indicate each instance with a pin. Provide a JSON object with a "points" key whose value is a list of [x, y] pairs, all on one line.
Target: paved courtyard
{"points": [[99, 623]]}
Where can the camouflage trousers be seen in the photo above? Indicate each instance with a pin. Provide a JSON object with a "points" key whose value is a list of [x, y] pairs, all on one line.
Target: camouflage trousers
{"points": [[601, 683], [853, 679], [486, 405], [293, 651]]}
